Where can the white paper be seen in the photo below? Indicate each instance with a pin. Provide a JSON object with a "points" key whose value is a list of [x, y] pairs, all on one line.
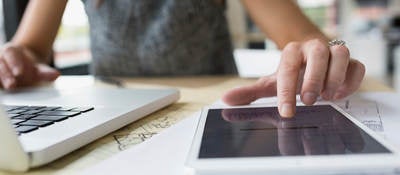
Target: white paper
{"points": [[166, 152]]}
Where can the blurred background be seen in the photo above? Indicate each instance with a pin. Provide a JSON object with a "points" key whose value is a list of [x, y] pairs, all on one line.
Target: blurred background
{"points": [[371, 29]]}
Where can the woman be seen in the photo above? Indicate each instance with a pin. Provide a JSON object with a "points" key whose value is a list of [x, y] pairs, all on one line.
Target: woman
{"points": [[172, 37]]}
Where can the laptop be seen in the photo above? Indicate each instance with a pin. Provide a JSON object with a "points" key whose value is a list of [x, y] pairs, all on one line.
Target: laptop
{"points": [[40, 125]]}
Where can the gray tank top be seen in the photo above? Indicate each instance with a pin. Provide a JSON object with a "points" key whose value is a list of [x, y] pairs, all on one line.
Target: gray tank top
{"points": [[159, 38]]}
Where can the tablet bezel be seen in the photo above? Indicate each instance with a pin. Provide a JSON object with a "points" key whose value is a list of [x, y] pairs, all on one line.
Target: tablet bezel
{"points": [[327, 163]]}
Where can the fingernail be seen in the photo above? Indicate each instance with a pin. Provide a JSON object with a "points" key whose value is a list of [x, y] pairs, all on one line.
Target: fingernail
{"points": [[309, 98], [287, 110]]}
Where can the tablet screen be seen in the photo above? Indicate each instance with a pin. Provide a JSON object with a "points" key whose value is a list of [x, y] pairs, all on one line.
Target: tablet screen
{"points": [[260, 132]]}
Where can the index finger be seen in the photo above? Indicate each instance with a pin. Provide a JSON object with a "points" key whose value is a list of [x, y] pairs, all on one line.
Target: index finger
{"points": [[287, 78]]}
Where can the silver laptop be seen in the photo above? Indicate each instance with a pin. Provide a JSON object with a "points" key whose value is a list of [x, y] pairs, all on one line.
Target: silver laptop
{"points": [[38, 126]]}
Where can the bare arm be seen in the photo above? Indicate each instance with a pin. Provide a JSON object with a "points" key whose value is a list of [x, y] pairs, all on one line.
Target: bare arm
{"points": [[282, 21], [39, 26], [23, 61]]}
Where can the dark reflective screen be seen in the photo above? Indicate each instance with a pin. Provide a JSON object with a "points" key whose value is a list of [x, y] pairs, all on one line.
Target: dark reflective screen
{"points": [[255, 132]]}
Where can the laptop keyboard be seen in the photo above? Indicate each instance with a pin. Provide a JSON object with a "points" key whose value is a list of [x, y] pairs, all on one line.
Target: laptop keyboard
{"points": [[26, 119]]}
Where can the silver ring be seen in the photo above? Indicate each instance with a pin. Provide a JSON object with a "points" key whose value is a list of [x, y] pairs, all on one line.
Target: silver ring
{"points": [[336, 42]]}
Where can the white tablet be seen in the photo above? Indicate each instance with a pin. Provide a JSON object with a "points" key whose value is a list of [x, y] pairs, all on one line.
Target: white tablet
{"points": [[320, 139]]}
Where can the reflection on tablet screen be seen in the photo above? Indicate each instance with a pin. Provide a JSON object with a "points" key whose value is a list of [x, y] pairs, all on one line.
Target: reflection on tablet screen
{"points": [[255, 132]]}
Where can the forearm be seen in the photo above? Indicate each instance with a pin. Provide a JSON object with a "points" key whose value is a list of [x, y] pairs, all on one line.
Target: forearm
{"points": [[39, 26], [282, 21]]}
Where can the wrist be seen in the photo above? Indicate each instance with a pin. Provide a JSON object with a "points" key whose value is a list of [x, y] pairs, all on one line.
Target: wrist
{"points": [[32, 54]]}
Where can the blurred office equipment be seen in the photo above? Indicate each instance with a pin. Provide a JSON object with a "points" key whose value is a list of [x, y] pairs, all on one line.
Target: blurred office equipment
{"points": [[253, 63]]}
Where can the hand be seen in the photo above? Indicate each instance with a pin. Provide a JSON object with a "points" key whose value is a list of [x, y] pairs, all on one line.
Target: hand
{"points": [[18, 68], [310, 68]]}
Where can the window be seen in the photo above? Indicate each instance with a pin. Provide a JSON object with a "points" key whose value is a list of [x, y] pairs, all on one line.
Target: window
{"points": [[322, 13], [72, 43]]}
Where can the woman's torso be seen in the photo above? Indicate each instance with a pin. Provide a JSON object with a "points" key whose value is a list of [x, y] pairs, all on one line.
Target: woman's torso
{"points": [[157, 38]]}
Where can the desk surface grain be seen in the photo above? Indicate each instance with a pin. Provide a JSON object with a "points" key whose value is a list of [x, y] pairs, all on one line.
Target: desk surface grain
{"points": [[196, 92]]}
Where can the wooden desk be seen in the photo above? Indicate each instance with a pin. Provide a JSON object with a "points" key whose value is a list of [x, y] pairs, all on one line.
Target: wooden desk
{"points": [[196, 92]]}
